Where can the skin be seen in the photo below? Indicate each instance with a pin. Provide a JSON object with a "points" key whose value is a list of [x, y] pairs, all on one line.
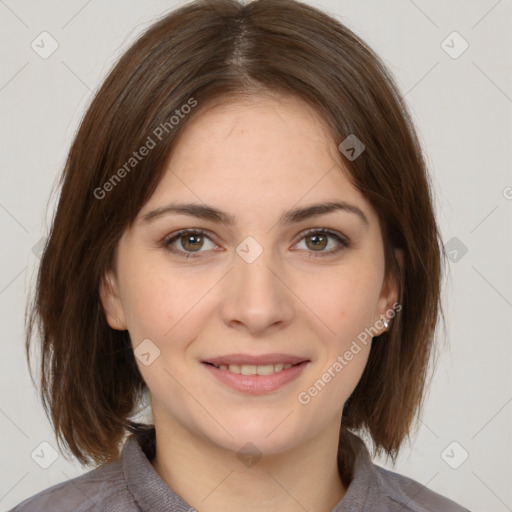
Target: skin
{"points": [[253, 158]]}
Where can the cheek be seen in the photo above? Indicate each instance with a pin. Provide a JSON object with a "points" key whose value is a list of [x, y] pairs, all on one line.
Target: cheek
{"points": [[346, 300], [346, 306], [158, 300]]}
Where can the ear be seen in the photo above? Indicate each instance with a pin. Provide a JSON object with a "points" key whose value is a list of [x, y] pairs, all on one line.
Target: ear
{"points": [[389, 294], [111, 301]]}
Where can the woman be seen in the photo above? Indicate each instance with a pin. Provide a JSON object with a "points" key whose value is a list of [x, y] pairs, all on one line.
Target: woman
{"points": [[244, 238]]}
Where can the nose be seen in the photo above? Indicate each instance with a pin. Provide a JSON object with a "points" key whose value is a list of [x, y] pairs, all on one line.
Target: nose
{"points": [[257, 298]]}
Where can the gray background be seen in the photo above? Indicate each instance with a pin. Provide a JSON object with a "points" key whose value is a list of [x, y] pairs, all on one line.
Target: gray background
{"points": [[462, 107]]}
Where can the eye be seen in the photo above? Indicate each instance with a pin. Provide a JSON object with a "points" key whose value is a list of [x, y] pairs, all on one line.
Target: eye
{"points": [[189, 241], [316, 240]]}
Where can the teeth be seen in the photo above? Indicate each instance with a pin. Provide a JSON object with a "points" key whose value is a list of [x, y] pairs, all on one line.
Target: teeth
{"points": [[251, 369]]}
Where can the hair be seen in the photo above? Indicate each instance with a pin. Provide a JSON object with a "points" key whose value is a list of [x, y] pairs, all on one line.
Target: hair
{"points": [[207, 51]]}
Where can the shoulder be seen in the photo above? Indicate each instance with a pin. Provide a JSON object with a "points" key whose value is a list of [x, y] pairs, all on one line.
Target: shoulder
{"points": [[411, 496], [378, 489], [103, 488]]}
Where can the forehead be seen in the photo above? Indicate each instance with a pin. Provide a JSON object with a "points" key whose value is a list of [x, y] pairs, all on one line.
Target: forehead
{"points": [[264, 125], [256, 153]]}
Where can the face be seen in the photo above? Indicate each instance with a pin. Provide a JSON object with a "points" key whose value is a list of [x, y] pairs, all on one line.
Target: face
{"points": [[269, 282]]}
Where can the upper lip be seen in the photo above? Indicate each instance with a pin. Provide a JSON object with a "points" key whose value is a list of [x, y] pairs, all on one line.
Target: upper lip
{"points": [[263, 359]]}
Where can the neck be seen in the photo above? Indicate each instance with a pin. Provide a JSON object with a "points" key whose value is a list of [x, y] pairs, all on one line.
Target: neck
{"points": [[212, 479]]}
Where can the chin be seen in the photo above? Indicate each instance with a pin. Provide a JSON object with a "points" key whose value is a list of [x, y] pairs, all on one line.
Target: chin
{"points": [[265, 435]]}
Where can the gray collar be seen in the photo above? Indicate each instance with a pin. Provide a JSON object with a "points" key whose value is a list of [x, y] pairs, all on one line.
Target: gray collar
{"points": [[153, 494]]}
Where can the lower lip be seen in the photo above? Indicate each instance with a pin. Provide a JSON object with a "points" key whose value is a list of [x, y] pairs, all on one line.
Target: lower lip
{"points": [[257, 384]]}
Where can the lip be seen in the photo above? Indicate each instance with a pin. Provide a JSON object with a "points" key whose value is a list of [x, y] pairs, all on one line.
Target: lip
{"points": [[256, 360], [257, 384]]}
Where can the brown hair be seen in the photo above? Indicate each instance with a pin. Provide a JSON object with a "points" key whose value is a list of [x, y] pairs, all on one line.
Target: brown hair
{"points": [[208, 51]]}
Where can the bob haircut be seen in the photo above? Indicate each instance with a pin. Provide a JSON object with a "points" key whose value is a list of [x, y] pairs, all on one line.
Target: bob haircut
{"points": [[208, 52]]}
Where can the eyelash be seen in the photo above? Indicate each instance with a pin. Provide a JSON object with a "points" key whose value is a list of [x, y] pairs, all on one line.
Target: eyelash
{"points": [[343, 242]]}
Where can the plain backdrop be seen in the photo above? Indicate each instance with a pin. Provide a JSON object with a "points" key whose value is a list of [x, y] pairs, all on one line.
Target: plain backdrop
{"points": [[461, 102]]}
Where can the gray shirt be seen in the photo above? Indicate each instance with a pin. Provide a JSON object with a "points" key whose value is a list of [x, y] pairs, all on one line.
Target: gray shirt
{"points": [[130, 484]]}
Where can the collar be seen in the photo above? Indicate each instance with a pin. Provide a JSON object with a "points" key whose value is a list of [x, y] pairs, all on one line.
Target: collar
{"points": [[153, 494], [147, 487]]}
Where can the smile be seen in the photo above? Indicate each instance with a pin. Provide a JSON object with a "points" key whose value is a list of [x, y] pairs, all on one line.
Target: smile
{"points": [[253, 379], [251, 369]]}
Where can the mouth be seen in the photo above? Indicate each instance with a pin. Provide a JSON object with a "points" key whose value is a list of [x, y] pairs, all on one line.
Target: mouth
{"points": [[256, 375], [252, 369], [246, 364]]}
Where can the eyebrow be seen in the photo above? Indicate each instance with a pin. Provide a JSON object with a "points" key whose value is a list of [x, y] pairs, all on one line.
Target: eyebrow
{"points": [[206, 212]]}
